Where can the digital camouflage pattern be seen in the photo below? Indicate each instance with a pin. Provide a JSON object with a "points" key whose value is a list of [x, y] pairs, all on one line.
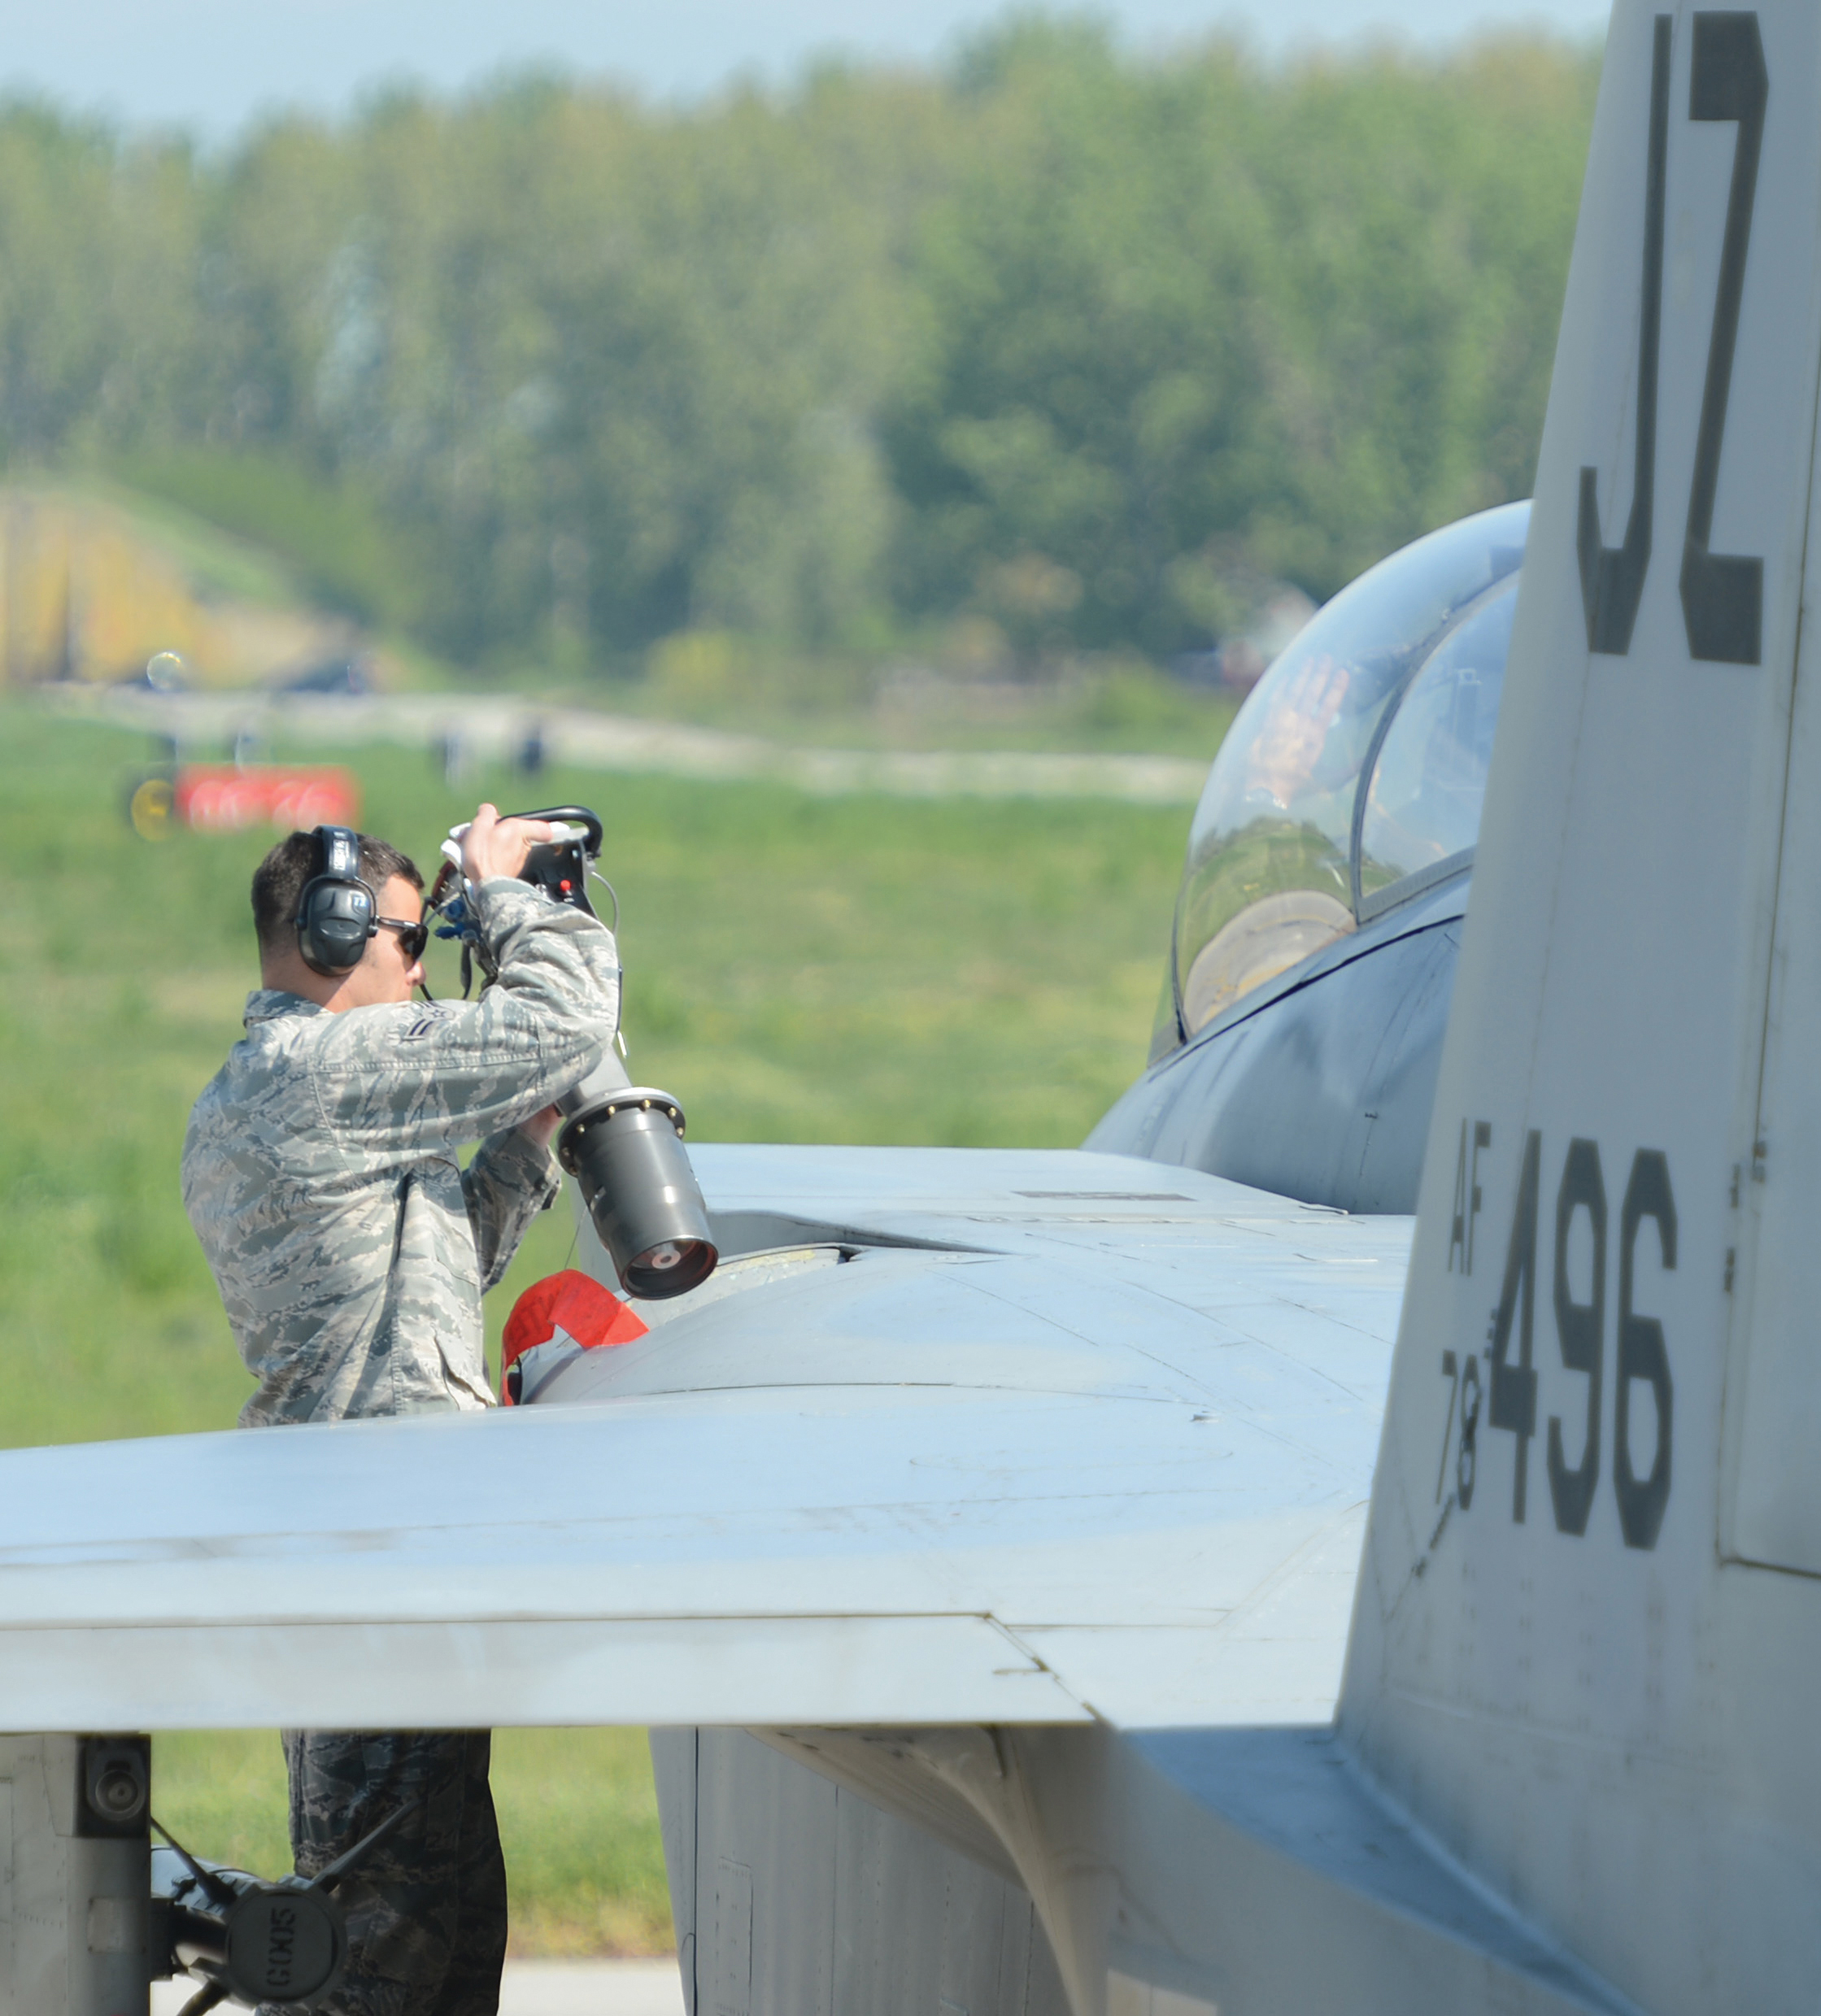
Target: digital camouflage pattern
{"points": [[427, 1911], [320, 1169]]}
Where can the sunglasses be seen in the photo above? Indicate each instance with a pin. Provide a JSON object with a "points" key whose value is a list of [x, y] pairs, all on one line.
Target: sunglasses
{"points": [[412, 937]]}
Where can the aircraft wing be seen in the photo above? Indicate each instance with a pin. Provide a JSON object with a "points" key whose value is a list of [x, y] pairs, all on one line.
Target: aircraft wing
{"points": [[1008, 1437]]}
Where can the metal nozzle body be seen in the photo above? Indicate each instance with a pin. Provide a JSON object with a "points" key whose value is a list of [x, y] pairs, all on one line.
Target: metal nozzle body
{"points": [[623, 1143], [262, 1940]]}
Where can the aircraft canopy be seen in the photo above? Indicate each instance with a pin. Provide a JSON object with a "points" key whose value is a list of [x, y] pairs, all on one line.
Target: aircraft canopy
{"points": [[1352, 776]]}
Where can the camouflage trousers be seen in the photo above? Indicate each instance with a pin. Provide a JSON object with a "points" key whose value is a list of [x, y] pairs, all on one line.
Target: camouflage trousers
{"points": [[427, 1912]]}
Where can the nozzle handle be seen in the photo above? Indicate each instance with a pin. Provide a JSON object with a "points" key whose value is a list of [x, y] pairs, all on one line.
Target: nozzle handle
{"points": [[590, 836]]}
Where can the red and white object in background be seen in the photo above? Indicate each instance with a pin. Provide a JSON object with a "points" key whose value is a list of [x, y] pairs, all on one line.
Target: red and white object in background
{"points": [[225, 798], [553, 1320]]}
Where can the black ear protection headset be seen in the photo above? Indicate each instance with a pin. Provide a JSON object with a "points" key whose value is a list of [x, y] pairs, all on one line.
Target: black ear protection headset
{"points": [[337, 912]]}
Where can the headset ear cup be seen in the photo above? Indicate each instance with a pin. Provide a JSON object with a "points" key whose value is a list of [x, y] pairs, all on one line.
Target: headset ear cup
{"points": [[337, 913], [334, 921]]}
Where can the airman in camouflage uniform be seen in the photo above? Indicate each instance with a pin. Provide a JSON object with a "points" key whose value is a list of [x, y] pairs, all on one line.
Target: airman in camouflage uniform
{"points": [[352, 1250]]}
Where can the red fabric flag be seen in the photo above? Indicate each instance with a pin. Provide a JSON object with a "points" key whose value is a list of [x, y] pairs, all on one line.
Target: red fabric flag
{"points": [[571, 1308]]}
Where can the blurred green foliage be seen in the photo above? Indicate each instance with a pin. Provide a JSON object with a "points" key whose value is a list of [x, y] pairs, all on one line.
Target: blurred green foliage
{"points": [[1058, 343], [344, 550]]}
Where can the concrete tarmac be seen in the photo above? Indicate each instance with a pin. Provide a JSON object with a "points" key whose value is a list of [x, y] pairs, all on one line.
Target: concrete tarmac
{"points": [[541, 1987]]}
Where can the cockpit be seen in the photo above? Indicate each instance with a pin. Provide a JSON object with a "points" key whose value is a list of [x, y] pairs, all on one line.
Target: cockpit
{"points": [[1351, 778]]}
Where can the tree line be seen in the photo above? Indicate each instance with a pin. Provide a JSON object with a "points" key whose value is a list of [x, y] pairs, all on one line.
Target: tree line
{"points": [[1055, 345]]}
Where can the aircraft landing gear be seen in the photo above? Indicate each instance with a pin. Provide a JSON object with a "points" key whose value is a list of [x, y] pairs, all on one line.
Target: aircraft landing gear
{"points": [[75, 1868], [91, 1913]]}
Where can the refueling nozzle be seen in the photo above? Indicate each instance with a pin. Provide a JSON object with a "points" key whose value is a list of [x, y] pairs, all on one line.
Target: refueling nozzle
{"points": [[624, 1145], [249, 1941]]}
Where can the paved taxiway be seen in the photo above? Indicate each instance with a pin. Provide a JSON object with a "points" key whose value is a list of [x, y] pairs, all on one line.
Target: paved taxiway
{"points": [[544, 1987], [493, 728]]}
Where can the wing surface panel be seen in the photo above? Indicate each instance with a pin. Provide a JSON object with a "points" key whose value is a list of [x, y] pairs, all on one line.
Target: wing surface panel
{"points": [[1019, 1326], [1065, 1473]]}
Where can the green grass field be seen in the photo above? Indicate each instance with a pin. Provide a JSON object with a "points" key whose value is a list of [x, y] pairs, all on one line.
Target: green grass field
{"points": [[836, 969]]}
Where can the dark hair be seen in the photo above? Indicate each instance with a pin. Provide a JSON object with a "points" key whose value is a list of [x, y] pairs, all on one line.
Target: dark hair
{"points": [[279, 879]]}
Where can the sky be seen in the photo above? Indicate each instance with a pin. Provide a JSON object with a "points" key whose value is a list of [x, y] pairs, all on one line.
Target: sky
{"points": [[213, 66]]}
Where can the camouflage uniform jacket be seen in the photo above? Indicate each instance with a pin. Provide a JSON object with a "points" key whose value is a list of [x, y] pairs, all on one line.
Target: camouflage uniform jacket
{"points": [[320, 1169]]}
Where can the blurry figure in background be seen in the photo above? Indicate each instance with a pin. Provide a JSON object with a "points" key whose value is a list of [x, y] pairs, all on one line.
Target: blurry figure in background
{"points": [[452, 756], [352, 1250], [532, 752]]}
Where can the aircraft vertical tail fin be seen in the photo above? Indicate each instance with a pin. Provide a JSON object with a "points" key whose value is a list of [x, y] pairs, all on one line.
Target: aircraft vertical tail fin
{"points": [[1590, 1613]]}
